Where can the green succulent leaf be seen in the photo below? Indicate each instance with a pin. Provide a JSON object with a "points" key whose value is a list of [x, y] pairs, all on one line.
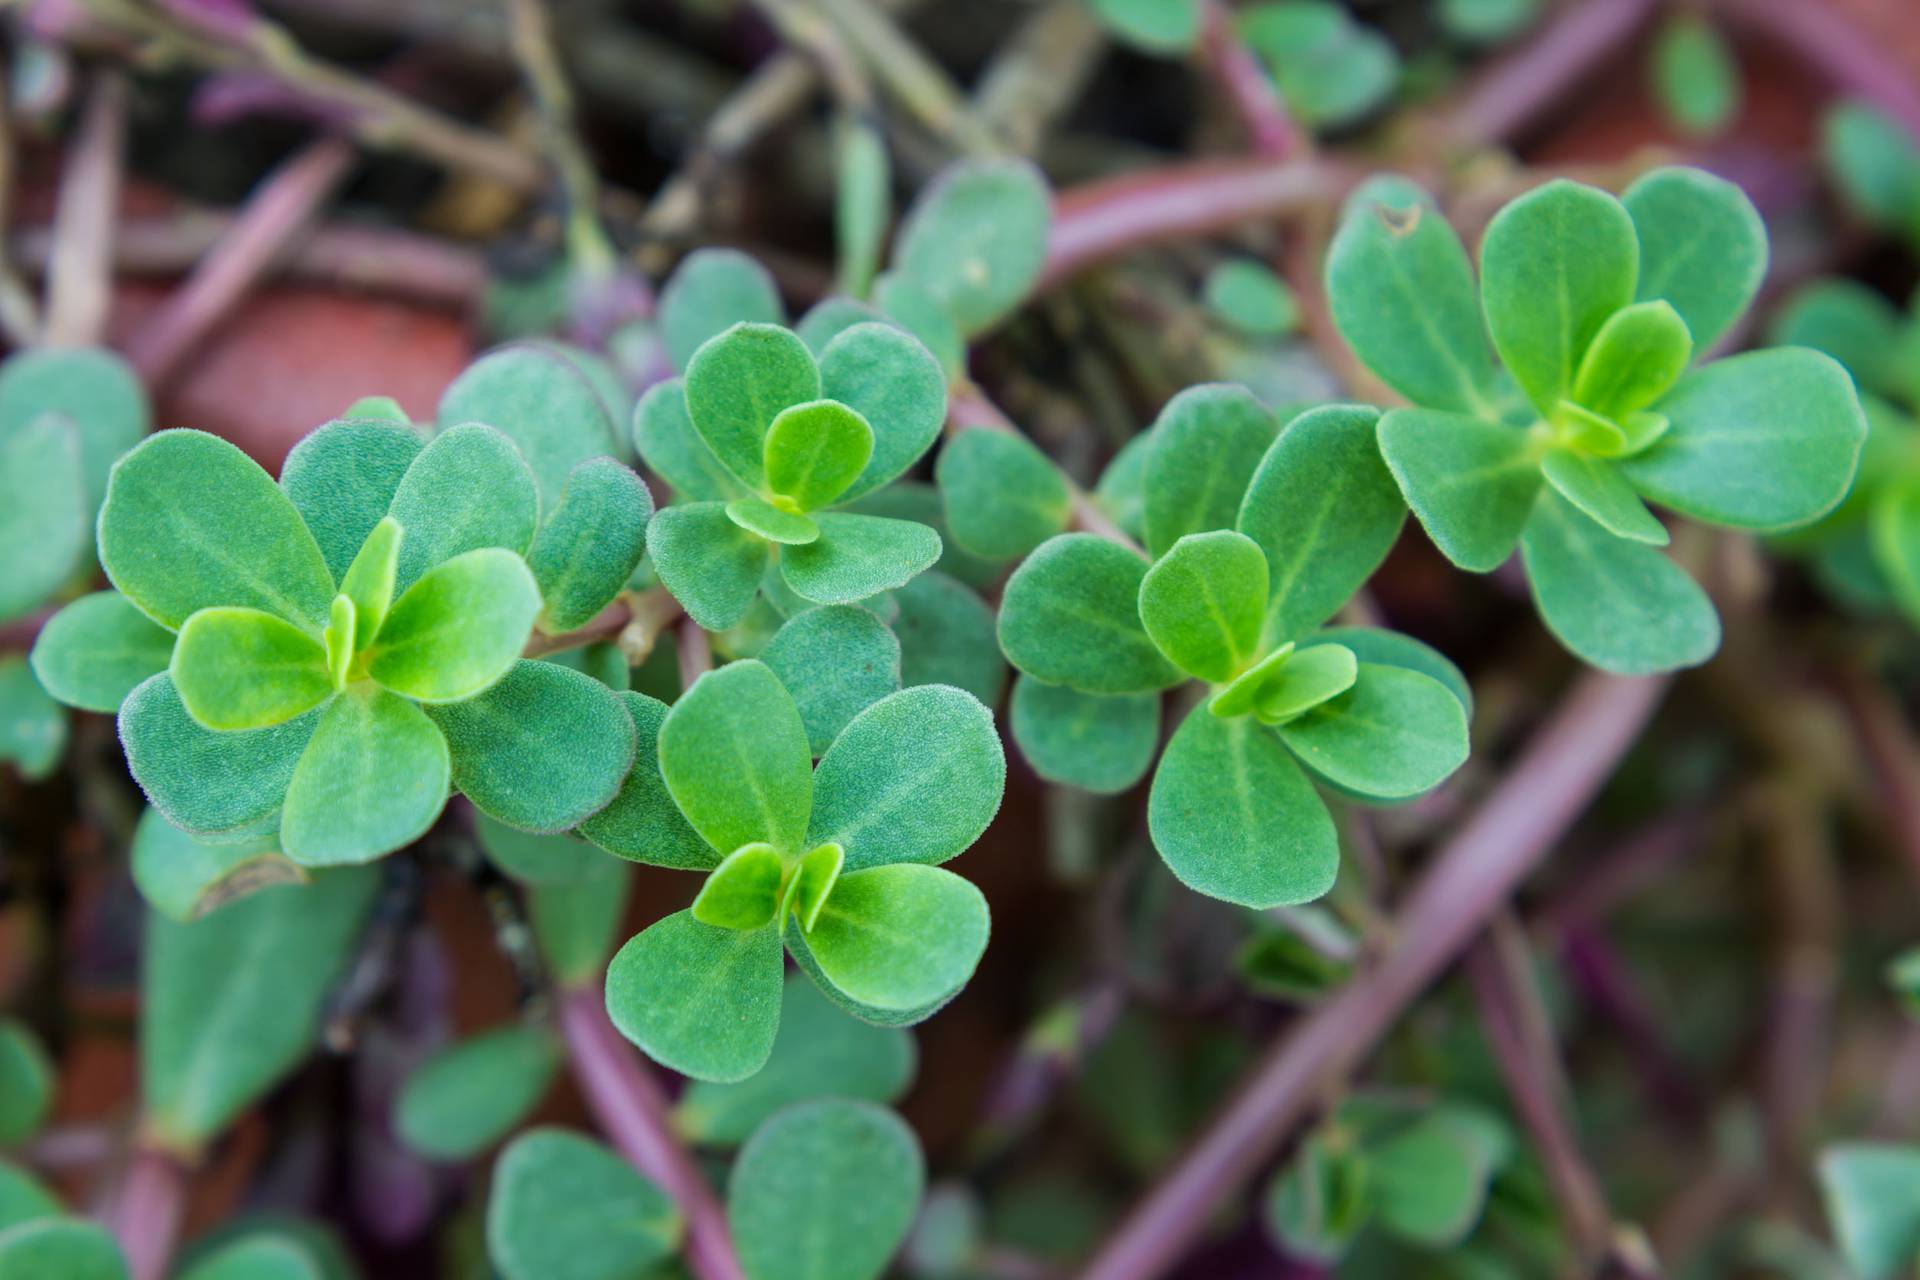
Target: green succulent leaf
{"points": [[815, 450], [737, 384], [533, 858], [916, 777], [711, 563], [825, 1190], [858, 556], [709, 292], [1207, 442], [184, 878], [93, 391], [702, 1000], [576, 922], [1894, 532], [1766, 440], [43, 517], [468, 489], [1250, 298], [1695, 77], [788, 528], [370, 581], [543, 402], [205, 781], [889, 378], [94, 651], [1071, 616], [1391, 649], [590, 544], [1395, 733], [1596, 486], [899, 937], [190, 522], [246, 669], [1428, 1183], [1003, 496], [1872, 1190], [1309, 678], [33, 729], [457, 630], [1153, 26], [260, 1258], [743, 892], [1234, 818], [1853, 324], [947, 636], [976, 239], [1487, 21], [1325, 510], [26, 1082], [836, 661], [642, 823], [231, 1002], [1620, 605], [1318, 1204], [1875, 161], [1555, 264], [1098, 742], [1703, 248], [23, 1198], [819, 1052], [832, 316], [734, 754], [1330, 69], [373, 780], [63, 1247], [341, 478], [906, 303], [475, 1091], [664, 435], [1204, 601], [1402, 293], [1639, 352], [1472, 484], [563, 1207], [543, 749]]}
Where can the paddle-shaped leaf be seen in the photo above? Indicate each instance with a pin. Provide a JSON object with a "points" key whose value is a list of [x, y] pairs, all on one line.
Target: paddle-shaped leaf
{"points": [[1206, 444], [43, 516], [734, 755], [1555, 264], [458, 629], [1325, 511], [1395, 733], [1596, 486], [94, 651], [738, 382], [743, 892], [1621, 605], [710, 563], [245, 669], [894, 382], [916, 777], [642, 822], [184, 878], [588, 546], [664, 435], [541, 400], [206, 781], [1471, 483], [702, 1000], [563, 1207], [190, 523], [1766, 440], [976, 239], [1003, 496], [470, 1094], [1070, 615], [468, 489], [1703, 248], [899, 937], [814, 451], [836, 661], [858, 556], [1099, 742], [1234, 818], [1203, 603], [709, 292], [342, 478], [373, 779], [1639, 352], [824, 1191]]}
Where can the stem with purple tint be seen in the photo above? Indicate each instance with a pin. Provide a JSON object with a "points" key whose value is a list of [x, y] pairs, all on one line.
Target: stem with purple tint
{"points": [[145, 1210], [633, 1111], [1564, 765]]}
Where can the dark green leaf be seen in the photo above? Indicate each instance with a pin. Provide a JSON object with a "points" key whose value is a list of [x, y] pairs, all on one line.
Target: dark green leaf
{"points": [[26, 1082], [1070, 615], [1100, 742], [1204, 601], [836, 661], [709, 292], [642, 823], [1596, 486], [897, 385], [563, 1207], [1207, 442], [203, 781], [468, 489], [1703, 248], [738, 383], [701, 1000], [1471, 483], [976, 239], [373, 780], [899, 938], [858, 556], [63, 1247], [543, 403], [708, 561], [342, 478], [1395, 733], [734, 755], [1003, 496], [664, 435], [947, 637], [589, 545], [474, 1092]]}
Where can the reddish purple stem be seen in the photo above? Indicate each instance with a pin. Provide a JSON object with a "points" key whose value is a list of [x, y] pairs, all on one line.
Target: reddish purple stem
{"points": [[1248, 86], [145, 1211], [633, 1111], [1512, 831]]}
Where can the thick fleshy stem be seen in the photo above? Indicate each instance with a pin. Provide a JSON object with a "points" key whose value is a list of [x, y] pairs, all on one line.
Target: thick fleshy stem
{"points": [[145, 1211], [1564, 765], [1247, 85], [633, 1111]]}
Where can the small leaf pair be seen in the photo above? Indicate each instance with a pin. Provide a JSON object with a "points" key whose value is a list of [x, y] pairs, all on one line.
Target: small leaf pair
{"points": [[765, 440], [1263, 538], [1329, 68], [1422, 1177], [347, 643], [1597, 307], [838, 863]]}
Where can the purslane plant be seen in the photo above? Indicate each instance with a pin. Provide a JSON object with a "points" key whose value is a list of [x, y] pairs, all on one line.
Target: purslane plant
{"points": [[338, 651], [1868, 550], [1258, 536], [765, 442], [1599, 309], [838, 863]]}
